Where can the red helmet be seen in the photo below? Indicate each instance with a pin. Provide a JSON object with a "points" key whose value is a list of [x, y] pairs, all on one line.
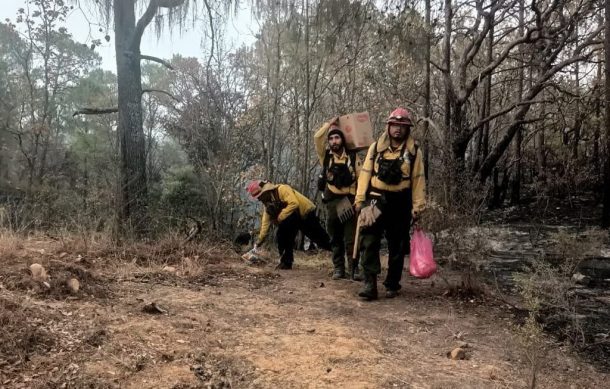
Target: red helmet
{"points": [[400, 116], [254, 188]]}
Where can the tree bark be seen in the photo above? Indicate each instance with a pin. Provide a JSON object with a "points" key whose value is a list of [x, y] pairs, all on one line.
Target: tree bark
{"points": [[606, 202], [133, 189], [515, 193], [540, 147], [306, 133], [427, 111], [598, 123], [448, 160]]}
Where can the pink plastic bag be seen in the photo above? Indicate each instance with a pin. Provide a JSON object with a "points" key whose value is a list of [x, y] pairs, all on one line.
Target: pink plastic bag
{"points": [[422, 263]]}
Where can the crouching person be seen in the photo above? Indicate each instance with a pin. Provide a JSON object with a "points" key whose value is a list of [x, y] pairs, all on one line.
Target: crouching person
{"points": [[291, 211]]}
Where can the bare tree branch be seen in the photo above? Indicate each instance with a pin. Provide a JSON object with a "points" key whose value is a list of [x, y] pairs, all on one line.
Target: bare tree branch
{"points": [[158, 60], [148, 16], [143, 22], [439, 67], [161, 91], [95, 111]]}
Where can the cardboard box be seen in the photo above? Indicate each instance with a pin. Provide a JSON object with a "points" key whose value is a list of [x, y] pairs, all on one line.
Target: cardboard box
{"points": [[357, 129]]}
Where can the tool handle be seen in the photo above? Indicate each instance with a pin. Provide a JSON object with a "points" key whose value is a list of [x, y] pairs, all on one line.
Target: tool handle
{"points": [[356, 240]]}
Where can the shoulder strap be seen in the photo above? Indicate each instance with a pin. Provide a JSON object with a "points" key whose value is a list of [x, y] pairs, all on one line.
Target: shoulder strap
{"points": [[412, 158], [373, 158], [352, 155], [326, 161], [374, 152]]}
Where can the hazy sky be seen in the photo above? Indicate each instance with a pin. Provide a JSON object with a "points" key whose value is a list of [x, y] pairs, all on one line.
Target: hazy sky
{"points": [[239, 31]]}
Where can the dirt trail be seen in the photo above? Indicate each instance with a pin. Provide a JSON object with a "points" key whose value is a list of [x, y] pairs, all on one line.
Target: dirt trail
{"points": [[238, 326]]}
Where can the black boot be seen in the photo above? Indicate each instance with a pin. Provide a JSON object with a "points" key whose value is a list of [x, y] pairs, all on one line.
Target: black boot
{"points": [[390, 294], [369, 289], [339, 273], [355, 272], [284, 266], [391, 291]]}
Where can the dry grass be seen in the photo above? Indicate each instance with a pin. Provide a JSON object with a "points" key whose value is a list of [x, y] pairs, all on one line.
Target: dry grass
{"points": [[241, 326], [21, 333], [10, 244]]}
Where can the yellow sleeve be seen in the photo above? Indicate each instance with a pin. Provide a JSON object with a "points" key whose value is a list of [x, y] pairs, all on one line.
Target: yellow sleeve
{"points": [[265, 223], [358, 166], [287, 195], [319, 141], [364, 178], [418, 183]]}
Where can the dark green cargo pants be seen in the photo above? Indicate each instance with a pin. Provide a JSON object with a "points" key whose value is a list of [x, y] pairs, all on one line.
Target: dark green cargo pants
{"points": [[341, 234], [394, 222]]}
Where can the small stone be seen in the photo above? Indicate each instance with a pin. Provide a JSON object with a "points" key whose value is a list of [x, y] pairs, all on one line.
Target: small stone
{"points": [[321, 285], [169, 269], [290, 292], [73, 284], [63, 254], [311, 330], [329, 369], [38, 272], [457, 354]]}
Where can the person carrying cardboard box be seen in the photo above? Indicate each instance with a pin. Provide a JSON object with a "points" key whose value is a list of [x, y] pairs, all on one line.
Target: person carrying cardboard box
{"points": [[337, 182], [391, 191]]}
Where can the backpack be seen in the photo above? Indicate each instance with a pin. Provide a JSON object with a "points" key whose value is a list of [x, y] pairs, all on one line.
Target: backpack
{"points": [[391, 168], [340, 172], [275, 205]]}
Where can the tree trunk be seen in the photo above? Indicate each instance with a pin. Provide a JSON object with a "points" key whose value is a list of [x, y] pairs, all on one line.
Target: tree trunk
{"points": [[598, 123], [515, 193], [448, 97], [306, 133], [577, 117], [133, 191], [484, 136], [276, 104], [427, 111], [540, 149], [606, 202]]}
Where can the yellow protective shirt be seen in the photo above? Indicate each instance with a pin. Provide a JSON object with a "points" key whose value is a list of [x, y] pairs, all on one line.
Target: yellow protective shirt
{"points": [[294, 200], [417, 182]]}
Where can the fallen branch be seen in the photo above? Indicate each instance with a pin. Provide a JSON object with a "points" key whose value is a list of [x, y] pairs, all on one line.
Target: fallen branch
{"points": [[95, 111], [158, 60]]}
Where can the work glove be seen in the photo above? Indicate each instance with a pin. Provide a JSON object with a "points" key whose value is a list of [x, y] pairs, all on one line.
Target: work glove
{"points": [[368, 215]]}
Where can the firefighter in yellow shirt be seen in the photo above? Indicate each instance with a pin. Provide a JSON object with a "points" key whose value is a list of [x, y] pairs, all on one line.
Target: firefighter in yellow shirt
{"points": [[340, 170], [391, 187], [292, 212]]}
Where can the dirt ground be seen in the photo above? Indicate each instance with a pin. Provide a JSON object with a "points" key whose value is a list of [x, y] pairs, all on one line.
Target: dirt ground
{"points": [[223, 324]]}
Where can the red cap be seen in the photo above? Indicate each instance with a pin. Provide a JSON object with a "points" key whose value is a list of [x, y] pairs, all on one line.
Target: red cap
{"points": [[254, 188]]}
